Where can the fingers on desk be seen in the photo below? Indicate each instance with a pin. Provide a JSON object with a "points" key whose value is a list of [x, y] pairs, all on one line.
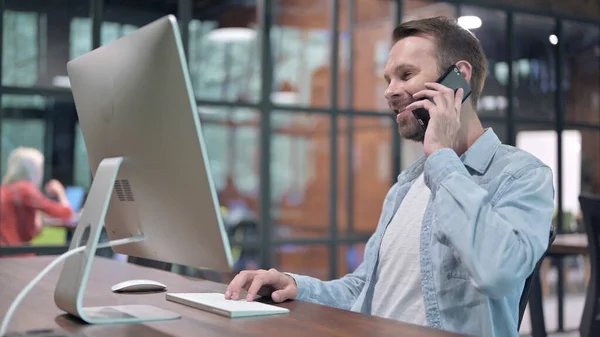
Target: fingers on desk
{"points": [[283, 294], [265, 278], [253, 281], [243, 280]]}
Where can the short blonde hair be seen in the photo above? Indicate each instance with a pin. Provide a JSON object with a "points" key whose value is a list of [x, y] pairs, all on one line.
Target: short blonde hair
{"points": [[24, 163], [453, 43]]}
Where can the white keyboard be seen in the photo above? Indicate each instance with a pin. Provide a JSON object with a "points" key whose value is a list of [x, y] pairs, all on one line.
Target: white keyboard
{"points": [[216, 303]]}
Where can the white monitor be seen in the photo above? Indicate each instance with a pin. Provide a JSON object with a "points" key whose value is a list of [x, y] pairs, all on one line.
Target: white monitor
{"points": [[152, 177]]}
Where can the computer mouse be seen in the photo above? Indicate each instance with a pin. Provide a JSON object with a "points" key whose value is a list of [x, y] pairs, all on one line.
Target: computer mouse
{"points": [[138, 285]]}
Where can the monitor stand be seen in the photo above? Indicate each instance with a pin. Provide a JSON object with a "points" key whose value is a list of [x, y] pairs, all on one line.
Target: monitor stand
{"points": [[71, 285]]}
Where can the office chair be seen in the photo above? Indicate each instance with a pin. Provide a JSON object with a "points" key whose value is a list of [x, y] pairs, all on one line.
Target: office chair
{"points": [[590, 209], [243, 232], [532, 278]]}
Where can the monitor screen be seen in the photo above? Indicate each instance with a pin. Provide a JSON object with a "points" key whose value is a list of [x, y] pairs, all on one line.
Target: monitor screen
{"points": [[76, 196]]}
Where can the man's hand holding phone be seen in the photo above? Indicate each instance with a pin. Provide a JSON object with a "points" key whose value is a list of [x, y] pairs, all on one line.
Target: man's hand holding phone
{"points": [[444, 106]]}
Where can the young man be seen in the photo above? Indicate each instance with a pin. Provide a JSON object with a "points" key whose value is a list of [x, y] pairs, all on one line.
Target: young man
{"points": [[462, 228]]}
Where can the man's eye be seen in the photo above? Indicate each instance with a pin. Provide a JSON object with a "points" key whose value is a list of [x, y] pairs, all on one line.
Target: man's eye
{"points": [[406, 76]]}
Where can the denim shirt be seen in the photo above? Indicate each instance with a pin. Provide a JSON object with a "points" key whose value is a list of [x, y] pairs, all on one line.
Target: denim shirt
{"points": [[486, 225]]}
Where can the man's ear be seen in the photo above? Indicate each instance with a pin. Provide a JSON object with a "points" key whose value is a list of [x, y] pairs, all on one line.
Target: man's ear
{"points": [[465, 69]]}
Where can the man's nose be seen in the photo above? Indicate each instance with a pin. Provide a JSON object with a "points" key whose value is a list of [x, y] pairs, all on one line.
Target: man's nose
{"points": [[393, 91]]}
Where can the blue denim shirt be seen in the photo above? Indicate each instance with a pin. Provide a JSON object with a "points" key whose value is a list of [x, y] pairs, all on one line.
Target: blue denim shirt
{"points": [[485, 227]]}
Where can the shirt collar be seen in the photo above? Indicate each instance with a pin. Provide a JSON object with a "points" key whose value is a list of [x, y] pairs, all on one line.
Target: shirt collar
{"points": [[478, 157]]}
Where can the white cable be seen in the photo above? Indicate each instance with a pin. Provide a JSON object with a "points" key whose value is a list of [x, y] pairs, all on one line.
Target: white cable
{"points": [[49, 267]]}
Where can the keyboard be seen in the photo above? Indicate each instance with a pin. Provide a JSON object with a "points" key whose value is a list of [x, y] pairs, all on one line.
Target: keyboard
{"points": [[217, 304]]}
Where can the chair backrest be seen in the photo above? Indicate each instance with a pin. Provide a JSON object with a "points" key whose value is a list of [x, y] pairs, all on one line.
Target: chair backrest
{"points": [[525, 294], [590, 209]]}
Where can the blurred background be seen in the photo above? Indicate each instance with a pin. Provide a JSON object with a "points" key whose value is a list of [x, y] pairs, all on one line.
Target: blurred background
{"points": [[301, 143]]}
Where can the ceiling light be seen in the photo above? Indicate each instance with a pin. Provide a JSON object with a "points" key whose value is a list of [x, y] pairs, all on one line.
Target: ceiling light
{"points": [[233, 34], [469, 22], [553, 39]]}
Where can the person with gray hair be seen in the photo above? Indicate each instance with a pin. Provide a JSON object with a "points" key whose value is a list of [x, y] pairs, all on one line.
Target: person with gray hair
{"points": [[21, 201]]}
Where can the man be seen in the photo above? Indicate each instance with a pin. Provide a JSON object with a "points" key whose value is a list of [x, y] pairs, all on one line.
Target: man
{"points": [[462, 228]]}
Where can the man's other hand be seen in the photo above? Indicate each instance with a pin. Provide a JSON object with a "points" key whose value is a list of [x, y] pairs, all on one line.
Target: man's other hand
{"points": [[278, 285]]}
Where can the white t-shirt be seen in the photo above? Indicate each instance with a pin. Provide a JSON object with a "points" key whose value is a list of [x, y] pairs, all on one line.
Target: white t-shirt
{"points": [[398, 294]]}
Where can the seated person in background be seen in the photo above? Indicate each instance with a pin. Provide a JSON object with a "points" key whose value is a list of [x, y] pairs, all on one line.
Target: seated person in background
{"points": [[462, 228], [21, 200]]}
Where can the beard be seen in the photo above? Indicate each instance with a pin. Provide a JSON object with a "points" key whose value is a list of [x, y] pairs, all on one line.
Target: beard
{"points": [[409, 128]]}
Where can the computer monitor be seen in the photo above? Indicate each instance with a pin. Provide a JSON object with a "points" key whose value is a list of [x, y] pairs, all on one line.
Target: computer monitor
{"points": [[75, 195], [139, 120]]}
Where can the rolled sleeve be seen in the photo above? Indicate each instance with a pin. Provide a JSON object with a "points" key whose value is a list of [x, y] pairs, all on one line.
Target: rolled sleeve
{"points": [[440, 165]]}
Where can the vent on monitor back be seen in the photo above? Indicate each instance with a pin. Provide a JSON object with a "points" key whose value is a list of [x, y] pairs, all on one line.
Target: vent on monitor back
{"points": [[123, 190]]}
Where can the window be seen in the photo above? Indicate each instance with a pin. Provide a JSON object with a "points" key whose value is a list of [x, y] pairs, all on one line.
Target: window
{"points": [[231, 139], [37, 42], [224, 65], [22, 133], [20, 49], [300, 173], [534, 70], [582, 72]]}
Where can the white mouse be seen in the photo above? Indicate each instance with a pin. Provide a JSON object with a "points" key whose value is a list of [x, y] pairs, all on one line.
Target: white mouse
{"points": [[138, 285]]}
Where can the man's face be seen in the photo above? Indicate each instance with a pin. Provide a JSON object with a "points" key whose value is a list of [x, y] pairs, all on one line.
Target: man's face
{"points": [[411, 63]]}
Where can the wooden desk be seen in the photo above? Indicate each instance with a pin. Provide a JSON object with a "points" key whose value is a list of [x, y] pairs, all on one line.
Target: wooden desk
{"points": [[569, 244], [38, 310], [563, 245]]}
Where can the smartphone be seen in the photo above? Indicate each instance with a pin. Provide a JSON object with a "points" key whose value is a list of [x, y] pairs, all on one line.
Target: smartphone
{"points": [[453, 79]]}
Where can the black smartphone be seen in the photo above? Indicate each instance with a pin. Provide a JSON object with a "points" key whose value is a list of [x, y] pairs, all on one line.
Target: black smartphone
{"points": [[453, 79]]}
